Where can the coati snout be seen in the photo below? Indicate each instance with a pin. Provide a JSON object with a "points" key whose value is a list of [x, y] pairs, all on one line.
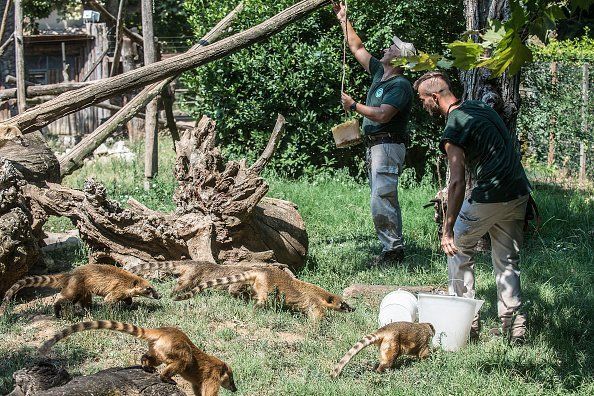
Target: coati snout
{"points": [[227, 379], [344, 307]]}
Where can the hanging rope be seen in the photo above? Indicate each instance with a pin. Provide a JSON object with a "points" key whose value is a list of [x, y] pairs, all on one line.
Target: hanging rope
{"points": [[344, 45]]}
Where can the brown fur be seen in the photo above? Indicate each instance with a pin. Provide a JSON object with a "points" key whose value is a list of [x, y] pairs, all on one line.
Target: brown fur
{"points": [[294, 293], [169, 346], [78, 286], [393, 340], [192, 273]]}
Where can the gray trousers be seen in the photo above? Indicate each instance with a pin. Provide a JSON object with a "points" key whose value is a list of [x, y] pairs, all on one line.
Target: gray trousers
{"points": [[504, 223], [384, 164]]}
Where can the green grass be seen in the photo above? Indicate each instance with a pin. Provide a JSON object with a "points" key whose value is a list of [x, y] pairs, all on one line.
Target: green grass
{"points": [[279, 353]]}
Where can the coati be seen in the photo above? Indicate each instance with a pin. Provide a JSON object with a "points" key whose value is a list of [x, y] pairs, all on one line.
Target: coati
{"points": [[393, 340], [192, 273], [294, 293], [169, 346], [78, 286]]}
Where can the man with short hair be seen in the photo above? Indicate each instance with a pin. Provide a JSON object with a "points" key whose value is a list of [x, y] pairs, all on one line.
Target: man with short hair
{"points": [[386, 113], [476, 137]]}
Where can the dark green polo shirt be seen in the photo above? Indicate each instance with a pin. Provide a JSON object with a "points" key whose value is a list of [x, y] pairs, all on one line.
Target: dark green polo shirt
{"points": [[396, 91], [489, 150]]}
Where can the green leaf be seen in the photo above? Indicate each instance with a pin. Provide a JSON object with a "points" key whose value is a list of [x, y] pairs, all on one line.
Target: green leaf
{"points": [[445, 63], [512, 57], [466, 54], [518, 17], [494, 33]]}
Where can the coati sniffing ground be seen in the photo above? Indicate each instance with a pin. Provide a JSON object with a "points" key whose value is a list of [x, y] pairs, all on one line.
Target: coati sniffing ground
{"points": [[81, 283], [191, 273], [393, 340], [169, 346], [292, 292]]}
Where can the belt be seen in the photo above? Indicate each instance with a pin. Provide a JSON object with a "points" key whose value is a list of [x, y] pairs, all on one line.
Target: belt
{"points": [[380, 138]]}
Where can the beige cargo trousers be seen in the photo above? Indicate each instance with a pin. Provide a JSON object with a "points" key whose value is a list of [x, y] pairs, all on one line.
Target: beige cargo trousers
{"points": [[504, 222]]}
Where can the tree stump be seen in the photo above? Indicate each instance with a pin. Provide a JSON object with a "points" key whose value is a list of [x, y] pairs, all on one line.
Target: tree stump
{"points": [[18, 246], [220, 211]]}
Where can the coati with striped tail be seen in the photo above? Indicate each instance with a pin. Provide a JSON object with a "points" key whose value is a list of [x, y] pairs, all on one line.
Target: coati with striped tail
{"points": [[294, 293], [191, 273], [79, 285], [393, 340], [169, 346]]}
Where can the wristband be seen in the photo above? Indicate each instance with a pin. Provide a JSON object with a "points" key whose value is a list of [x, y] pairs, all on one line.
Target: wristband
{"points": [[353, 107]]}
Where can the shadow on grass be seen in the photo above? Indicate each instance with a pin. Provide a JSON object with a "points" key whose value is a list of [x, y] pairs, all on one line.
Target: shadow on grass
{"points": [[14, 360]]}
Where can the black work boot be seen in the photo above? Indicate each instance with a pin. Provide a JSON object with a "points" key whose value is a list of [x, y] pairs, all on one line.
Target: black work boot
{"points": [[386, 258]]}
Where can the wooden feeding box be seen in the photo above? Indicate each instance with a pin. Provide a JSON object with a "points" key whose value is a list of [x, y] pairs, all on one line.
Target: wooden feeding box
{"points": [[347, 134]]}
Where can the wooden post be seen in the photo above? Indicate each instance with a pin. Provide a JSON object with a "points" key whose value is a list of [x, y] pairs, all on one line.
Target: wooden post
{"points": [[19, 56], [118, 39], [151, 143], [134, 126], [585, 86], [553, 123]]}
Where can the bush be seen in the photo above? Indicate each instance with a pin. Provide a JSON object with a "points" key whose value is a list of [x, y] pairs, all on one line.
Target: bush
{"points": [[297, 73]]}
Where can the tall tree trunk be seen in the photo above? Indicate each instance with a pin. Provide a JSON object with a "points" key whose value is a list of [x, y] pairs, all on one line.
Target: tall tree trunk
{"points": [[502, 93]]}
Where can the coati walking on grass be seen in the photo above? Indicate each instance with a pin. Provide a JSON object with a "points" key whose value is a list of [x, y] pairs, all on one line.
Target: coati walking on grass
{"points": [[79, 285], [294, 293], [191, 273], [393, 340], [169, 346]]}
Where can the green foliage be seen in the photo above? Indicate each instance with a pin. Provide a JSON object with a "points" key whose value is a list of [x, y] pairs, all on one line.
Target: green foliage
{"points": [[577, 50], [502, 46], [297, 73], [553, 108]]}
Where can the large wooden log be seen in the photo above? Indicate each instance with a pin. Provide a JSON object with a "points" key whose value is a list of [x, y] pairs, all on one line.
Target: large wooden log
{"points": [[48, 379], [220, 215], [18, 246], [42, 90], [64, 104], [31, 157]]}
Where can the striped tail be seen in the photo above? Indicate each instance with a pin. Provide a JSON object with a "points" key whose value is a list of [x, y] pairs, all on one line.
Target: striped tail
{"points": [[55, 281], [239, 278], [169, 266], [363, 343], [94, 325]]}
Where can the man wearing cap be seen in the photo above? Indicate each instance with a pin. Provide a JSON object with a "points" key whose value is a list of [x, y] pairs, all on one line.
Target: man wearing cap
{"points": [[475, 137], [386, 113]]}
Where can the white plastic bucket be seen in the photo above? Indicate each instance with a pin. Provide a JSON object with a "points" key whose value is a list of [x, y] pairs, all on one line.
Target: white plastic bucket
{"points": [[398, 306], [451, 316]]}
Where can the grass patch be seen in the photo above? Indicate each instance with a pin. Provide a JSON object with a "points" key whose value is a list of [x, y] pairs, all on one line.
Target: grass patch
{"points": [[274, 352]]}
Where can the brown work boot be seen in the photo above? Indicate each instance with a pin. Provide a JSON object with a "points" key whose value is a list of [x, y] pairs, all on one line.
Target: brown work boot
{"points": [[387, 258], [516, 333]]}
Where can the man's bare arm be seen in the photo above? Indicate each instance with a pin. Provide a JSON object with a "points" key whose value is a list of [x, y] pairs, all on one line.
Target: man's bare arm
{"points": [[355, 44], [456, 190]]}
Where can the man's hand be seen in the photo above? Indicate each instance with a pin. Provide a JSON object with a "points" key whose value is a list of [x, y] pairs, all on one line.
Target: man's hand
{"points": [[346, 101], [340, 12], [447, 244]]}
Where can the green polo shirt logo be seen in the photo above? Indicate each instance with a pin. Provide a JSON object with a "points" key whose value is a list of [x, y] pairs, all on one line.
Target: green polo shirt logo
{"points": [[379, 93]]}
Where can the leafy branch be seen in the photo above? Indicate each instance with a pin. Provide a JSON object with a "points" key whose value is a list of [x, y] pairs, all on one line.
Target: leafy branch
{"points": [[501, 46]]}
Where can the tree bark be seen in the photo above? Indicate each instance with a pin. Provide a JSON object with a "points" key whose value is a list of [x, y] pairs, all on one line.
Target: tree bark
{"points": [[18, 245], [19, 56], [220, 214], [503, 93], [48, 379], [43, 114], [42, 90]]}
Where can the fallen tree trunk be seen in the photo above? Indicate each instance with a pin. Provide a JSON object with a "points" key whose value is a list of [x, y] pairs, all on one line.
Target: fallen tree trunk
{"points": [[47, 379], [49, 89], [62, 105], [220, 216]]}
